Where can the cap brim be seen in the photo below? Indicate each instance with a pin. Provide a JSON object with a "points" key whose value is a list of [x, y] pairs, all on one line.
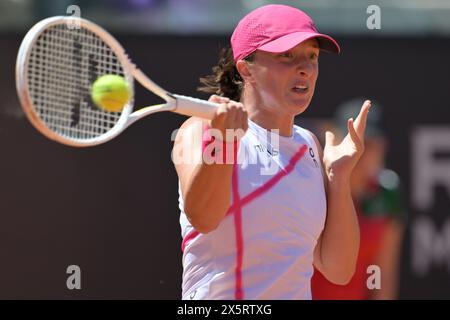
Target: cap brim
{"points": [[291, 40]]}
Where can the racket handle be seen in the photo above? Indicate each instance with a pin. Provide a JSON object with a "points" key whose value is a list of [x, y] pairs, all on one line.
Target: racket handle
{"points": [[194, 107]]}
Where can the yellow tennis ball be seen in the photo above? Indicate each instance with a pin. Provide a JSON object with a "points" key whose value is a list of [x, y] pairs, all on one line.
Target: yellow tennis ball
{"points": [[110, 92]]}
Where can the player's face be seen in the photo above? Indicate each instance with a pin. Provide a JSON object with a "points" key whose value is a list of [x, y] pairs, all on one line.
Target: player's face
{"points": [[286, 81]]}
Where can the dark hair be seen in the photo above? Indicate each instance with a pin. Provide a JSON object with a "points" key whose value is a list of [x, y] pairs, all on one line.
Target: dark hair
{"points": [[225, 80]]}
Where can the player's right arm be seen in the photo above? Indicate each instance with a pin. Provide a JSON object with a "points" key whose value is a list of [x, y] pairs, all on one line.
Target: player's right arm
{"points": [[206, 188]]}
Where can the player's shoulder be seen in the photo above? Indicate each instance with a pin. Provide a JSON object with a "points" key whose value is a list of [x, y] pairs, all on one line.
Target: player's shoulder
{"points": [[192, 122], [191, 126], [186, 143], [298, 128], [311, 134]]}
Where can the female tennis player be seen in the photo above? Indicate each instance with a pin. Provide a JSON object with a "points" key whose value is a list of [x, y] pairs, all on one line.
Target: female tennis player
{"points": [[254, 229]]}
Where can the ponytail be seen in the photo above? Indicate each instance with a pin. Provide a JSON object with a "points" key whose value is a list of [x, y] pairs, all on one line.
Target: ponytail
{"points": [[225, 80]]}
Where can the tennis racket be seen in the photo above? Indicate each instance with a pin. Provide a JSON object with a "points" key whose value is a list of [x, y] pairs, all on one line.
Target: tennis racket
{"points": [[58, 61]]}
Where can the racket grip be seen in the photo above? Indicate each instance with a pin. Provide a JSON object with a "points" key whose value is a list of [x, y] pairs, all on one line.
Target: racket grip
{"points": [[194, 107]]}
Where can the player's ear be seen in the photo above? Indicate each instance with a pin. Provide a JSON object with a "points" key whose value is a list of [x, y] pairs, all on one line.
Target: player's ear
{"points": [[242, 67]]}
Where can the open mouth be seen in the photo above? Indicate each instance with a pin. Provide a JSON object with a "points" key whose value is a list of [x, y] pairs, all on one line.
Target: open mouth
{"points": [[300, 89]]}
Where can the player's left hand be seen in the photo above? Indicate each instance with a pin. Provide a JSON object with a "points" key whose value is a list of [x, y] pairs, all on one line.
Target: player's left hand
{"points": [[340, 159]]}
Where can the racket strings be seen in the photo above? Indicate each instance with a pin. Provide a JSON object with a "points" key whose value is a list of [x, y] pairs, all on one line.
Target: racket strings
{"points": [[63, 64]]}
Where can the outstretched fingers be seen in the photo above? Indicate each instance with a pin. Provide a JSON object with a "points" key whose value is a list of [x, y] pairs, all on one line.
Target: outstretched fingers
{"points": [[354, 134], [361, 120]]}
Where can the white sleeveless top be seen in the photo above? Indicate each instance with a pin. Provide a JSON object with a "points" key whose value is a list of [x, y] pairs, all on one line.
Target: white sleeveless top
{"points": [[263, 248]]}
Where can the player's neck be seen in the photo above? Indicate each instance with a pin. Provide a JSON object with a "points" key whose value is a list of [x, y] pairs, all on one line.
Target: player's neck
{"points": [[267, 119], [268, 122]]}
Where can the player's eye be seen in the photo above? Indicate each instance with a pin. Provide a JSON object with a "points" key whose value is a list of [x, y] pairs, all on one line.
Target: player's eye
{"points": [[286, 54], [314, 56]]}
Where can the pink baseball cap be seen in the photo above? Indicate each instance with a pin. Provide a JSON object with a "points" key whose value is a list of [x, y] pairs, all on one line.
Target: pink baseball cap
{"points": [[276, 28]]}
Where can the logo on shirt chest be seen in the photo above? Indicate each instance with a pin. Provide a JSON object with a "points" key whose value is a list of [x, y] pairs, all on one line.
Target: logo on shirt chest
{"points": [[269, 149], [274, 152], [312, 155]]}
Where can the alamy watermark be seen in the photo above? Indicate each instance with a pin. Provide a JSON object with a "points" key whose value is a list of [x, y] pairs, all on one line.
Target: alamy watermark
{"points": [[374, 280], [74, 280], [373, 21], [75, 14]]}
